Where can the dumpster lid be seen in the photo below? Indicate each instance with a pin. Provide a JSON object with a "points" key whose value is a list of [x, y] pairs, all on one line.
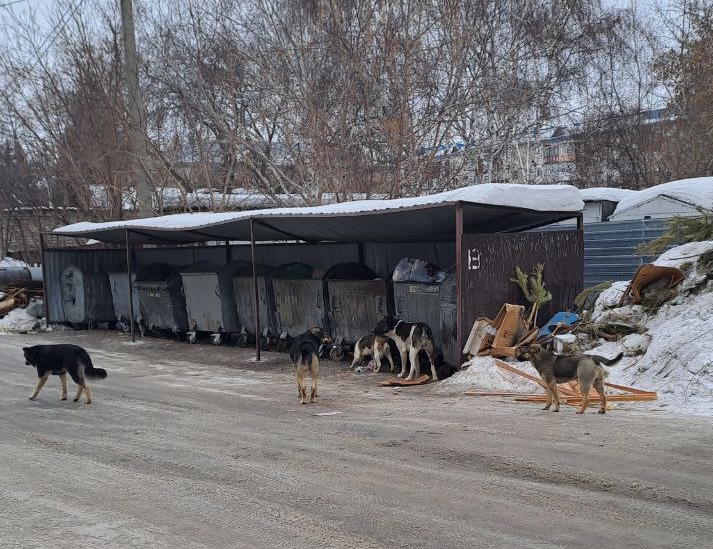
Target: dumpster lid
{"points": [[247, 271], [293, 271], [200, 267], [156, 272], [350, 271]]}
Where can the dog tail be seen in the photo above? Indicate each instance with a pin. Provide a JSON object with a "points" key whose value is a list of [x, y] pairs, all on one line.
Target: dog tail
{"points": [[607, 361], [89, 370]]}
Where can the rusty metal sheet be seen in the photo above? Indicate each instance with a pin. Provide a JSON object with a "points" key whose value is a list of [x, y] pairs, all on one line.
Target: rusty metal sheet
{"points": [[489, 262]]}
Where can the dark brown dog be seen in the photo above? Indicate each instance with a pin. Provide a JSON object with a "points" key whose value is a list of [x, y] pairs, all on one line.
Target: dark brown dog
{"points": [[554, 369], [304, 351]]}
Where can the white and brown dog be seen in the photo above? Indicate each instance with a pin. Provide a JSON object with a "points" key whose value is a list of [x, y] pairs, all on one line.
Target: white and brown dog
{"points": [[373, 345], [410, 338]]}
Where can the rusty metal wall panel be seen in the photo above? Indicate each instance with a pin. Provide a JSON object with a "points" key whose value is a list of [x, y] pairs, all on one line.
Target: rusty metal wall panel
{"points": [[489, 262], [88, 261]]}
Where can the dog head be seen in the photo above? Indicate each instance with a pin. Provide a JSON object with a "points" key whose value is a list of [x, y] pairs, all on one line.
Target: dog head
{"points": [[528, 352], [385, 325], [320, 334], [29, 353]]}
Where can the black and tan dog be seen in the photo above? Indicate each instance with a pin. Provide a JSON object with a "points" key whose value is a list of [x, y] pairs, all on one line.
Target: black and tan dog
{"points": [[373, 345], [587, 370], [60, 360], [304, 352], [410, 338]]}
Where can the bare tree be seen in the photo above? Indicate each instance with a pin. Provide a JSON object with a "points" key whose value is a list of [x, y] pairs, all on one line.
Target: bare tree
{"points": [[688, 70]]}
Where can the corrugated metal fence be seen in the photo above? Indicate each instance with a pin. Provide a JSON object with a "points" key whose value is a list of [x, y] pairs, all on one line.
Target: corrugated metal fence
{"points": [[610, 248]]}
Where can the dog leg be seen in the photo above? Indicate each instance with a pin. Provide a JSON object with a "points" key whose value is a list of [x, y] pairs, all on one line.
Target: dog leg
{"points": [[390, 359], [585, 386], [88, 393], [415, 370], [302, 391], [599, 386], [63, 379], [432, 359], [555, 396], [40, 383], [80, 388], [404, 363], [377, 360], [357, 358], [313, 371], [548, 403]]}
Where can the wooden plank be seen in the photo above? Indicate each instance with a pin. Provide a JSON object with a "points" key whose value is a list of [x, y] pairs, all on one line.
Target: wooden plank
{"points": [[494, 393], [398, 382], [613, 398]]}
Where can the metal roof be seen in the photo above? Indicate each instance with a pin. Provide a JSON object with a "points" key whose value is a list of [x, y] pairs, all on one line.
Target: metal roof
{"points": [[486, 209]]}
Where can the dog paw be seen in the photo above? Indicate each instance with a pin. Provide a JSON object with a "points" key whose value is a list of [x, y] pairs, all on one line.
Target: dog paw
{"points": [[602, 411], [31, 397], [75, 400]]}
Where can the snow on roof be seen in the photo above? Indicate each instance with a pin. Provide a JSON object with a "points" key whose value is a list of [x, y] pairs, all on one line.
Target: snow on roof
{"points": [[697, 192], [612, 194], [540, 198], [12, 263]]}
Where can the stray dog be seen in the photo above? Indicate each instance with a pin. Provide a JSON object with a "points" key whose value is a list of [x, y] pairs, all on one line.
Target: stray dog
{"points": [[554, 369], [304, 352], [410, 338], [60, 360], [373, 345]]}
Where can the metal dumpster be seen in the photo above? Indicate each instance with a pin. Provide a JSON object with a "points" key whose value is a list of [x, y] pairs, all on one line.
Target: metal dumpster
{"points": [[86, 297], [448, 325], [119, 284], [299, 300], [163, 307], [357, 300], [419, 300], [244, 293], [210, 303]]}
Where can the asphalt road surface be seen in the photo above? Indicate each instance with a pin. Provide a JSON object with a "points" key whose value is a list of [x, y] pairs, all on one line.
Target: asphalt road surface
{"points": [[197, 446]]}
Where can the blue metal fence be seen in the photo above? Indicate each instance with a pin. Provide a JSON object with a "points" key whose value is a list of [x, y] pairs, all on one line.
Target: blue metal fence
{"points": [[610, 248]]}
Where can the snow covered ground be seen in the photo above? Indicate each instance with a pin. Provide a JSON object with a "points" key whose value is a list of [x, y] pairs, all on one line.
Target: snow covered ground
{"points": [[677, 344]]}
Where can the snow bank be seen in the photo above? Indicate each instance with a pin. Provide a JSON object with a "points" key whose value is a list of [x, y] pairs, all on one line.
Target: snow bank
{"points": [[612, 194], [18, 320]]}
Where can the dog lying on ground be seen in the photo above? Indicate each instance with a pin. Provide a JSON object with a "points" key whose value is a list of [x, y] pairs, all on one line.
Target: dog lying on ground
{"points": [[373, 345], [61, 360], [554, 369], [409, 338], [304, 352]]}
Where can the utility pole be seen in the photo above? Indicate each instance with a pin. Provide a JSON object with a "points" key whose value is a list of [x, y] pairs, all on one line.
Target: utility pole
{"points": [[144, 191]]}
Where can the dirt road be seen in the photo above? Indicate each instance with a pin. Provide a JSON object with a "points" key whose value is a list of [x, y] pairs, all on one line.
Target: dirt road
{"points": [[196, 446]]}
